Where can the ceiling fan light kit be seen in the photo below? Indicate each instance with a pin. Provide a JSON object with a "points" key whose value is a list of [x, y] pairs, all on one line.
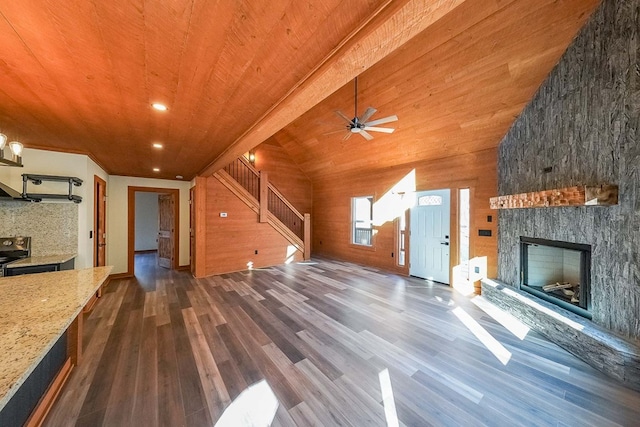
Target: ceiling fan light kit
{"points": [[361, 125]]}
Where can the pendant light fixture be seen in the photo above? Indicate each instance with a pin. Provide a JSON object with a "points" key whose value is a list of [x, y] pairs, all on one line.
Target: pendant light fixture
{"points": [[15, 148]]}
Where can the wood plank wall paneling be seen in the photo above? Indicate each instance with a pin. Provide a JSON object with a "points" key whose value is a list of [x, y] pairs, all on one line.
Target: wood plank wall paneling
{"points": [[583, 122], [456, 87], [285, 175], [200, 232], [231, 242], [332, 207], [227, 244]]}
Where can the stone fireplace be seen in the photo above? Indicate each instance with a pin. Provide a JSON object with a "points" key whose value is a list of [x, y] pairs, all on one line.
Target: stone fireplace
{"points": [[577, 131], [558, 272], [581, 129]]}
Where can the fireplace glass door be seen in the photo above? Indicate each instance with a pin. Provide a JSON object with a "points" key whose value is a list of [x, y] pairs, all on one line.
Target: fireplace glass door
{"points": [[558, 272]]}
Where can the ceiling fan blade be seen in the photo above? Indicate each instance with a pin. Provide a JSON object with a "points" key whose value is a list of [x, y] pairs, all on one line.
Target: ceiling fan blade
{"points": [[367, 114], [342, 115], [383, 120], [366, 135], [347, 136], [377, 129], [333, 131]]}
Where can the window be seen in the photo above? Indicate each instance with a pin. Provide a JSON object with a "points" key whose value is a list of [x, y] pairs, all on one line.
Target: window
{"points": [[362, 220], [463, 233], [401, 224], [430, 201]]}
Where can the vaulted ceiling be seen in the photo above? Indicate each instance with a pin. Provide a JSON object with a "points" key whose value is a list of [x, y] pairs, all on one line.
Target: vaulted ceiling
{"points": [[80, 76]]}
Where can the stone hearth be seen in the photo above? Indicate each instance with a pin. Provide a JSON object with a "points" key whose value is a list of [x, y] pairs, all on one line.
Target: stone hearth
{"points": [[600, 348]]}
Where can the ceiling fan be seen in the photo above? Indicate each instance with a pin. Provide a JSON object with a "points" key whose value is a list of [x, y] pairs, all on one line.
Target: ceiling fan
{"points": [[361, 125]]}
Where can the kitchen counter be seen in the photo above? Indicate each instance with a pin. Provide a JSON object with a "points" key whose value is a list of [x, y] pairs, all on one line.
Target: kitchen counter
{"points": [[41, 260], [35, 311]]}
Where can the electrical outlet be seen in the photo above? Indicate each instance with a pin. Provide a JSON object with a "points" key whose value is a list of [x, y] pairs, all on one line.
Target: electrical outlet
{"points": [[256, 252]]}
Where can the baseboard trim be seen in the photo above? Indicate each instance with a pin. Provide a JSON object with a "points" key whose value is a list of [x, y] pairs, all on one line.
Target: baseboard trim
{"points": [[146, 251], [48, 399], [116, 276]]}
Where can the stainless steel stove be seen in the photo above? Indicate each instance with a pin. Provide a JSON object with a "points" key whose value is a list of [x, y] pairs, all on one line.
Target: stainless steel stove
{"points": [[13, 249]]}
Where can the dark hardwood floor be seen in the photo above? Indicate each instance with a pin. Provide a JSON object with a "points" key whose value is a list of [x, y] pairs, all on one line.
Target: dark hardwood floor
{"points": [[337, 343]]}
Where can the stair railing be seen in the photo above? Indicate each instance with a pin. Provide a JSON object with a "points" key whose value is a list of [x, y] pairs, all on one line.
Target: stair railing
{"points": [[271, 200]]}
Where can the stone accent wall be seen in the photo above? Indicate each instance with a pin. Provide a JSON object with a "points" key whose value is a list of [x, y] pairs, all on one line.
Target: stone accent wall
{"points": [[584, 122]]}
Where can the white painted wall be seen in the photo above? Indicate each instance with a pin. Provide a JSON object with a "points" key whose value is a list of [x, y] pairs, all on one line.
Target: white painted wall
{"points": [[146, 221], [81, 166], [53, 163], [117, 209]]}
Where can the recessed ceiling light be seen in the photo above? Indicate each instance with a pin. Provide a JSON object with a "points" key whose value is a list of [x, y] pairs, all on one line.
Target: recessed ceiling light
{"points": [[179, 177], [157, 145], [159, 107], [156, 169]]}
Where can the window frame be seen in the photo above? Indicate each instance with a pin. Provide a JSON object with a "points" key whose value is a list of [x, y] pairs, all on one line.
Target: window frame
{"points": [[354, 222]]}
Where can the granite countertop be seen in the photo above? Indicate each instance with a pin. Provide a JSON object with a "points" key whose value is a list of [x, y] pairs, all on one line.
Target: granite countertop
{"points": [[35, 310], [41, 260]]}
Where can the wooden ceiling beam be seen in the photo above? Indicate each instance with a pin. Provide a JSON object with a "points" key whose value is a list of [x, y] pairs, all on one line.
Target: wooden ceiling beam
{"points": [[388, 28]]}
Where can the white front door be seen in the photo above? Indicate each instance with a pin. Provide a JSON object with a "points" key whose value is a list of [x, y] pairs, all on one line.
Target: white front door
{"points": [[429, 241]]}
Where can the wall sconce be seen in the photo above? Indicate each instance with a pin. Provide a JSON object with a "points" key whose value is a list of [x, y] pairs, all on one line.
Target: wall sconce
{"points": [[252, 157], [16, 152]]}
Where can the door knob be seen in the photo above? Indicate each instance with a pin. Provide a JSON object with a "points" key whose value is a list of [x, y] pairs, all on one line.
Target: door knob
{"points": [[444, 243]]}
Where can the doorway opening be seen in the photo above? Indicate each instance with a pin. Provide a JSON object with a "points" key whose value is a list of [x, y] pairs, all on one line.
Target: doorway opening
{"points": [[165, 225], [429, 238]]}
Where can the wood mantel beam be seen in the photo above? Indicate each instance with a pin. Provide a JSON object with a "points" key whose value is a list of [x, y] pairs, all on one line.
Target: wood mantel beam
{"points": [[598, 195], [392, 25]]}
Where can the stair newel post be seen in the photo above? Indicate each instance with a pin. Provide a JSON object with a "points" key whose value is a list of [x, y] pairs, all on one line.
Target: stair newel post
{"points": [[307, 236], [264, 196]]}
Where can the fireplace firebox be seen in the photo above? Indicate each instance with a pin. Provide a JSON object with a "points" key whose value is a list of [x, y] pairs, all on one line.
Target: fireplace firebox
{"points": [[559, 272]]}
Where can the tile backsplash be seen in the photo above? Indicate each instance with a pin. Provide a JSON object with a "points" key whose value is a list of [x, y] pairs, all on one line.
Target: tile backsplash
{"points": [[53, 227]]}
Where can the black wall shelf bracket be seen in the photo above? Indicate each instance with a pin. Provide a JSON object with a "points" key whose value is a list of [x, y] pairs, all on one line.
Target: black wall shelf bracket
{"points": [[39, 179]]}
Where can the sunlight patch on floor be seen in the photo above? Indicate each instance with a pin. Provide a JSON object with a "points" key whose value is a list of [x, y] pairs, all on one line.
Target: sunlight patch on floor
{"points": [[387, 399], [512, 324], [449, 301], [256, 406], [493, 345]]}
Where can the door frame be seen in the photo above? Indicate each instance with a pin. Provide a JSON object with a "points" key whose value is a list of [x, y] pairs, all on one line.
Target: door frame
{"points": [[453, 221], [192, 234], [97, 180], [131, 223]]}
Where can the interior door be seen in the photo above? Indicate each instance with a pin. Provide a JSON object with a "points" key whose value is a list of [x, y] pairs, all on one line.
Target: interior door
{"points": [[429, 241], [100, 229], [165, 230]]}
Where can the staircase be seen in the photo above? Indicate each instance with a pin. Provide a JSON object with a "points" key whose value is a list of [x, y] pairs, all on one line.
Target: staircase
{"points": [[255, 190]]}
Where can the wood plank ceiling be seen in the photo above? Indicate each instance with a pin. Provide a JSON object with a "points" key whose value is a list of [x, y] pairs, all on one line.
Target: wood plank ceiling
{"points": [[79, 76]]}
